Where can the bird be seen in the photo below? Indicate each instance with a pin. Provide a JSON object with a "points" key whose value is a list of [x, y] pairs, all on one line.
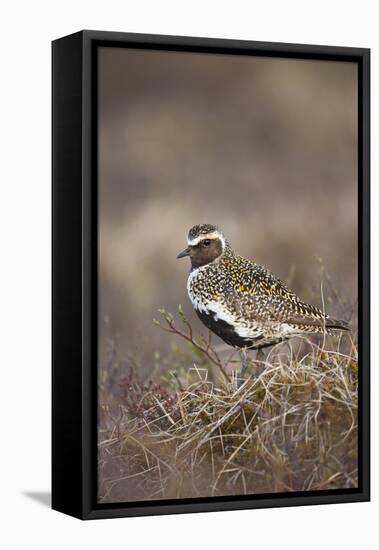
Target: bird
{"points": [[243, 302]]}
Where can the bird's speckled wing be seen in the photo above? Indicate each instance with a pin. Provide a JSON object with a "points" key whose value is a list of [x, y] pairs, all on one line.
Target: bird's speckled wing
{"points": [[261, 296]]}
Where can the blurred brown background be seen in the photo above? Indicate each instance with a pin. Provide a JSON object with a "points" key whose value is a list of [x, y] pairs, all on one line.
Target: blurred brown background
{"points": [[265, 148]]}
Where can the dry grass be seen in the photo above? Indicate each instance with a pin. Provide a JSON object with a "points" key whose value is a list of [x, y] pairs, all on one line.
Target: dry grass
{"points": [[291, 426]]}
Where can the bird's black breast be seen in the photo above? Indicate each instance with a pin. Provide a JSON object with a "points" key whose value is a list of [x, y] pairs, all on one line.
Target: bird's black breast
{"points": [[225, 331]]}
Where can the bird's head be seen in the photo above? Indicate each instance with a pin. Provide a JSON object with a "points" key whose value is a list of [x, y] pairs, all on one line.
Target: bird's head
{"points": [[206, 243]]}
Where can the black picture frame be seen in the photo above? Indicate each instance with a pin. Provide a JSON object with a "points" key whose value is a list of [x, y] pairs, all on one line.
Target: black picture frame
{"points": [[74, 272]]}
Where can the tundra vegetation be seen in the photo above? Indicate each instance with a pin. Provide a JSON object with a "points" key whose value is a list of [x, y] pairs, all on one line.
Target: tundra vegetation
{"points": [[193, 429]]}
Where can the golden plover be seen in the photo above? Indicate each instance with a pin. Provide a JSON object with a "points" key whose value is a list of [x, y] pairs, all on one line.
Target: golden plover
{"points": [[242, 302]]}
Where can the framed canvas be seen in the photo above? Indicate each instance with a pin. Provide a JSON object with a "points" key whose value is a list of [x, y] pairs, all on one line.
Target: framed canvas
{"points": [[210, 275]]}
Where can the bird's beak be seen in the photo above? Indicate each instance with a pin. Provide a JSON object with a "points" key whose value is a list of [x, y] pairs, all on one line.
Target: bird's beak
{"points": [[184, 253]]}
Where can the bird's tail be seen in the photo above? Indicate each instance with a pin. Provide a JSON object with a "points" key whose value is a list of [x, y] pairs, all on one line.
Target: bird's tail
{"points": [[335, 324]]}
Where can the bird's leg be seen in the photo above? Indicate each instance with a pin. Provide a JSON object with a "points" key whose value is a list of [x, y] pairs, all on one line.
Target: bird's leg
{"points": [[258, 367], [244, 364], [259, 359]]}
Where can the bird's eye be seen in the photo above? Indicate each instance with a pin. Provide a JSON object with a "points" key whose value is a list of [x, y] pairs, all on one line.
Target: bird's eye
{"points": [[206, 242]]}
